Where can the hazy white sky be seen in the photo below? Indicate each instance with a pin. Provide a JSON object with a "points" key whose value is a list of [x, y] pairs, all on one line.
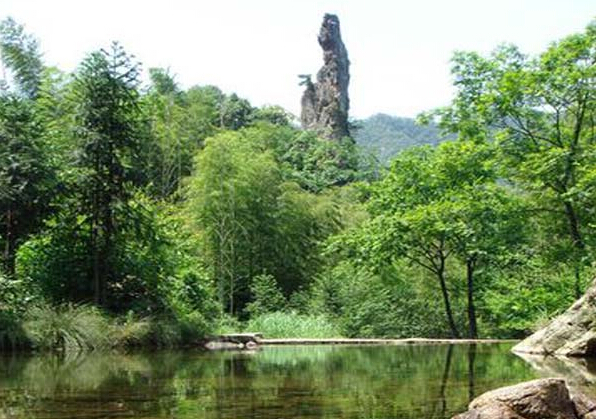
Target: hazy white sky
{"points": [[399, 50]]}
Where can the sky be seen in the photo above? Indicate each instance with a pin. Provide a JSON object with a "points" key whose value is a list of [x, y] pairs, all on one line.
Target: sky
{"points": [[399, 50]]}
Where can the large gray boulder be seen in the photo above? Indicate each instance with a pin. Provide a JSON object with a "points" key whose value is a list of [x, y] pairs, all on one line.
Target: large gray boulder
{"points": [[325, 103], [573, 333], [547, 398]]}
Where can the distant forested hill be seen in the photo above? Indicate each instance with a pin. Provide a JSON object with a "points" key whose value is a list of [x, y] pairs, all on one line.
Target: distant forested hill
{"points": [[386, 135]]}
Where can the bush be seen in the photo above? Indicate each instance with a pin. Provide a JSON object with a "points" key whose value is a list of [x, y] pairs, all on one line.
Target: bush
{"points": [[391, 304], [156, 272], [292, 325], [12, 335], [67, 327], [518, 305], [163, 332], [266, 296], [227, 324]]}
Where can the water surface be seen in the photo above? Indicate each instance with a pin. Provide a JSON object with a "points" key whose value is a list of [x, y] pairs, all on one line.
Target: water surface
{"points": [[272, 383]]}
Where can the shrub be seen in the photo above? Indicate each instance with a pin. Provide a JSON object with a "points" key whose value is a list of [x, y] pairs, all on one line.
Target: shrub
{"points": [[518, 305], [389, 304], [67, 327], [227, 324], [12, 335], [131, 332], [266, 296]]}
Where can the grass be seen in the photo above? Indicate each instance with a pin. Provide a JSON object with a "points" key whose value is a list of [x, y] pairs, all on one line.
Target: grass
{"points": [[281, 324], [79, 328], [67, 327]]}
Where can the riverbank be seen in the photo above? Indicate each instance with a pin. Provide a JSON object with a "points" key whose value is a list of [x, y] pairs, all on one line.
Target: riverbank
{"points": [[407, 341], [254, 340]]}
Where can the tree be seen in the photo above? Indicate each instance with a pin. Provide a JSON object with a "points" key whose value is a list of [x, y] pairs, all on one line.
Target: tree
{"points": [[170, 147], [405, 222], [26, 176], [231, 197], [437, 207], [253, 221], [541, 112], [234, 112], [25, 173], [107, 126], [20, 53]]}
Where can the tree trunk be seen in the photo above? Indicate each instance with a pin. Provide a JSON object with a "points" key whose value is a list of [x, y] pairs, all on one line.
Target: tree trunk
{"points": [[9, 246], [95, 250], [473, 331], [441, 277], [96, 273], [578, 244]]}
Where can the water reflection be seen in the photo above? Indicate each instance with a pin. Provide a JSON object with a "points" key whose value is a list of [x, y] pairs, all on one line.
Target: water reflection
{"points": [[580, 373], [277, 383]]}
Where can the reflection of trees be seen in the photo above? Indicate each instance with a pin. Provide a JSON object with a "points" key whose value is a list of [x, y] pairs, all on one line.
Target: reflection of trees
{"points": [[471, 359], [442, 400], [280, 382]]}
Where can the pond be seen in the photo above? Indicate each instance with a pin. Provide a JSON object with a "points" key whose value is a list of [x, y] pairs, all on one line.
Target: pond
{"points": [[271, 383]]}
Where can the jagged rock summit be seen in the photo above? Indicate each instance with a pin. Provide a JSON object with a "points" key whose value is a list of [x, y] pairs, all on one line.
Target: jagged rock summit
{"points": [[325, 103], [573, 333]]}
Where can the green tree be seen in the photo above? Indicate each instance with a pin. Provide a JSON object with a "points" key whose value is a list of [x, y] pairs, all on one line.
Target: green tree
{"points": [[170, 146], [438, 207], [541, 112], [20, 53], [252, 219], [26, 176], [107, 114], [405, 221], [484, 220]]}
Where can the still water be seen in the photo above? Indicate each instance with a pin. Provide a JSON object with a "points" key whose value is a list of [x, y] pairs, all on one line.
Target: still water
{"points": [[272, 383]]}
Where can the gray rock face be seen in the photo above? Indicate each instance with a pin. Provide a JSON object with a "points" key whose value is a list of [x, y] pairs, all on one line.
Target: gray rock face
{"points": [[325, 103], [546, 398], [573, 333]]}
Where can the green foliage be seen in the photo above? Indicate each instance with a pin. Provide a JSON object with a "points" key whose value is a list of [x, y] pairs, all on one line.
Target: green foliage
{"points": [[253, 220], [66, 328], [12, 335], [157, 270], [25, 176], [275, 115], [515, 308], [266, 296], [292, 325], [20, 53], [363, 304], [316, 164], [540, 112]]}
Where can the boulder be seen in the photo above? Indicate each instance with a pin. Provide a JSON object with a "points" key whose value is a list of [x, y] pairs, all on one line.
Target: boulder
{"points": [[573, 333], [546, 398]]}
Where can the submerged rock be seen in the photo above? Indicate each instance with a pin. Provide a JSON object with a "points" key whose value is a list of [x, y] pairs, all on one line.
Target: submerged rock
{"points": [[570, 334], [546, 398], [325, 103]]}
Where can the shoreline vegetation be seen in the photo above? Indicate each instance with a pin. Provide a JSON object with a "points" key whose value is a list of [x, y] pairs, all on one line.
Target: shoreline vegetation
{"points": [[84, 328], [147, 214]]}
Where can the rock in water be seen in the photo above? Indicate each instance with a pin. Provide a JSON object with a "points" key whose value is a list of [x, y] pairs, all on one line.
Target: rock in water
{"points": [[573, 333], [546, 398], [325, 103]]}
